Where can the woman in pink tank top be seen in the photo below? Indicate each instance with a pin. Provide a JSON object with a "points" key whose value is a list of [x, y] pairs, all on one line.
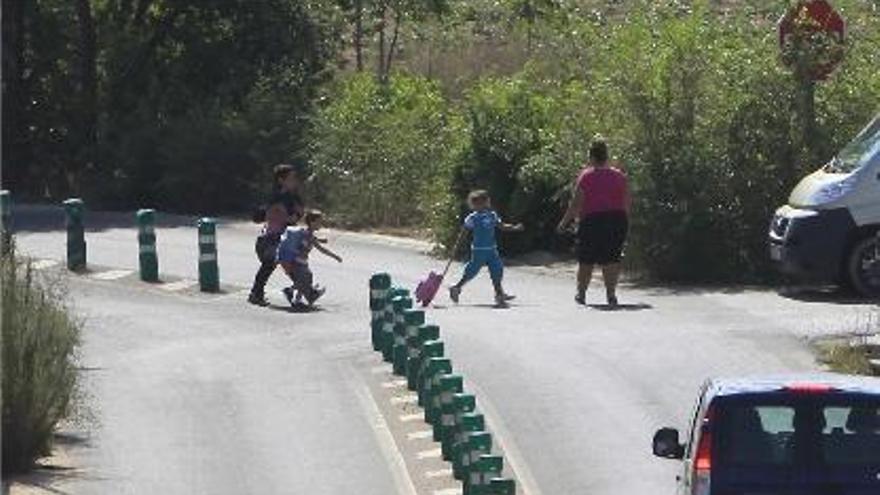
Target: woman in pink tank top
{"points": [[600, 206]]}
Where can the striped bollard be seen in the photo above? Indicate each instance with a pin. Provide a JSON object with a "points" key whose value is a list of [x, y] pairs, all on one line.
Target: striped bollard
{"points": [[412, 320], [148, 259], [424, 334], [5, 221], [447, 387], [380, 285], [209, 272], [431, 385], [467, 424], [483, 470], [476, 444], [502, 486], [76, 236], [387, 325], [461, 404], [431, 349], [400, 304]]}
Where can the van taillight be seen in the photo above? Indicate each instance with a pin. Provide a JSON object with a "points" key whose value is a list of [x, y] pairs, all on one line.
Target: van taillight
{"points": [[702, 480]]}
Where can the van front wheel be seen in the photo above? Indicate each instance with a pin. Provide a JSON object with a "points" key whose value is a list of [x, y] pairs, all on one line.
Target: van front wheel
{"points": [[863, 266]]}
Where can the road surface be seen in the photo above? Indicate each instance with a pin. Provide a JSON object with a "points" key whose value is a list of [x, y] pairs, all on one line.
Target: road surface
{"points": [[207, 394]]}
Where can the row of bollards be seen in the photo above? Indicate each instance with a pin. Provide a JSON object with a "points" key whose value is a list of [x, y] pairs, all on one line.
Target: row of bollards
{"points": [[416, 352], [148, 259]]}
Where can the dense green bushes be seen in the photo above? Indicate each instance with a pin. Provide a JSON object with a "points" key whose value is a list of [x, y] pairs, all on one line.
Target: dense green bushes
{"points": [[39, 376]]}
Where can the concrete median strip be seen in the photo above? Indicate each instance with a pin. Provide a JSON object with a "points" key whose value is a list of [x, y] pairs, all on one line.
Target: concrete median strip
{"points": [[415, 351]]}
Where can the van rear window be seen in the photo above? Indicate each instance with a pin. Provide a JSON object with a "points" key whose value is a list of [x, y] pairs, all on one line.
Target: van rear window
{"points": [[782, 429]]}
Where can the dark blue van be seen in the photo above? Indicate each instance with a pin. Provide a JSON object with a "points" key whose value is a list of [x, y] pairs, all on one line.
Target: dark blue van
{"points": [[785, 435]]}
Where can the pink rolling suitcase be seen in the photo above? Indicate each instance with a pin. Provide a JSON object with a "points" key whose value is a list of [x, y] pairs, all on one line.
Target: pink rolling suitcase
{"points": [[428, 288]]}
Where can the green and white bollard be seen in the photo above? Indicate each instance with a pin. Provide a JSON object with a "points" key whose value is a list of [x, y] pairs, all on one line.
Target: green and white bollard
{"points": [[74, 210], [424, 334], [431, 349], [502, 486], [400, 303], [387, 327], [482, 472], [412, 320], [468, 423], [209, 272], [476, 444], [435, 368], [5, 221], [461, 404], [148, 259], [447, 387], [380, 285]]}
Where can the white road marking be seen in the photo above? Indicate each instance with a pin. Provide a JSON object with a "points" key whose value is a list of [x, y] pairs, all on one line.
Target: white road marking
{"points": [[111, 274], [430, 454], [420, 435], [406, 399], [512, 456], [448, 491], [407, 418], [44, 264], [394, 384], [179, 285], [384, 437], [438, 473]]}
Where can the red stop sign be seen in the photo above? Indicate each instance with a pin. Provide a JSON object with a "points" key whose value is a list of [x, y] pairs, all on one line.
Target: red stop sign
{"points": [[818, 22]]}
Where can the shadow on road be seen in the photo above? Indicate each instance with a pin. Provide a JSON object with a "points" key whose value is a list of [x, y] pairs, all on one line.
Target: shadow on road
{"points": [[825, 295], [299, 308], [621, 307]]}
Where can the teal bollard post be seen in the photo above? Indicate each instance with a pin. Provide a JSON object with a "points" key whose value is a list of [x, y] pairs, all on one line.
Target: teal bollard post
{"points": [[468, 423], [412, 320], [447, 387], [76, 236], [476, 444], [380, 286], [486, 468], [148, 258], [209, 272], [432, 349], [435, 368], [461, 404], [401, 304], [502, 486], [424, 334]]}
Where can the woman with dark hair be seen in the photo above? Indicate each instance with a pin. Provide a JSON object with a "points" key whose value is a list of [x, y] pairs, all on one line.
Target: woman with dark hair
{"points": [[600, 205]]}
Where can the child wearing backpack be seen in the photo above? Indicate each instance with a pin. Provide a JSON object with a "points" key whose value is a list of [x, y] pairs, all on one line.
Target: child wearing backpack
{"points": [[293, 256], [483, 221]]}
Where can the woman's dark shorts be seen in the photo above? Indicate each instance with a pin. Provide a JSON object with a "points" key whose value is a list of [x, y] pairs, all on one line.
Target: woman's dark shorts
{"points": [[601, 236]]}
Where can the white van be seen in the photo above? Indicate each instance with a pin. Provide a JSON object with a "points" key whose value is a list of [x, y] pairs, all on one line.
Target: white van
{"points": [[830, 229]]}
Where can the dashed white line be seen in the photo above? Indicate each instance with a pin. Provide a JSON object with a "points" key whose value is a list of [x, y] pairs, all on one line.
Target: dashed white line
{"points": [[43, 264], [178, 286], [430, 454], [420, 435], [111, 274], [394, 384], [406, 399], [438, 473], [448, 491], [408, 418]]}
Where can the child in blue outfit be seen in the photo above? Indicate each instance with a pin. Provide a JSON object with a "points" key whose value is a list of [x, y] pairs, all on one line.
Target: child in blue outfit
{"points": [[293, 256], [483, 221]]}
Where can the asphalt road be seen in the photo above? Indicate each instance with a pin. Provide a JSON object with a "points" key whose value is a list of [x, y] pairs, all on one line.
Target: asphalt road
{"points": [[199, 394]]}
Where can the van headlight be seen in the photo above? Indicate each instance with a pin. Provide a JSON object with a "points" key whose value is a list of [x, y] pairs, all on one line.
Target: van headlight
{"points": [[833, 191]]}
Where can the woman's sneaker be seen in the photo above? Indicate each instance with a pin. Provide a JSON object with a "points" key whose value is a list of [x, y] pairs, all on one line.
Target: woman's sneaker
{"points": [[288, 294], [454, 292], [612, 301], [581, 298], [315, 294]]}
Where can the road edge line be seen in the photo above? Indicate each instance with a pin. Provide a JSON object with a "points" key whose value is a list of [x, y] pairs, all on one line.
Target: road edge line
{"points": [[382, 433], [512, 454]]}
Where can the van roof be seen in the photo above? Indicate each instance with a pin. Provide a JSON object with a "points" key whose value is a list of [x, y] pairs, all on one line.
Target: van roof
{"points": [[727, 386]]}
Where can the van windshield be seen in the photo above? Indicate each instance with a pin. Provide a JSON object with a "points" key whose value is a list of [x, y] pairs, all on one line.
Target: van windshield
{"points": [[858, 152]]}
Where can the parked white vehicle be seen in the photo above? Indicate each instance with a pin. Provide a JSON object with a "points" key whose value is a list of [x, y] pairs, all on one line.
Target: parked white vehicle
{"points": [[830, 229]]}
